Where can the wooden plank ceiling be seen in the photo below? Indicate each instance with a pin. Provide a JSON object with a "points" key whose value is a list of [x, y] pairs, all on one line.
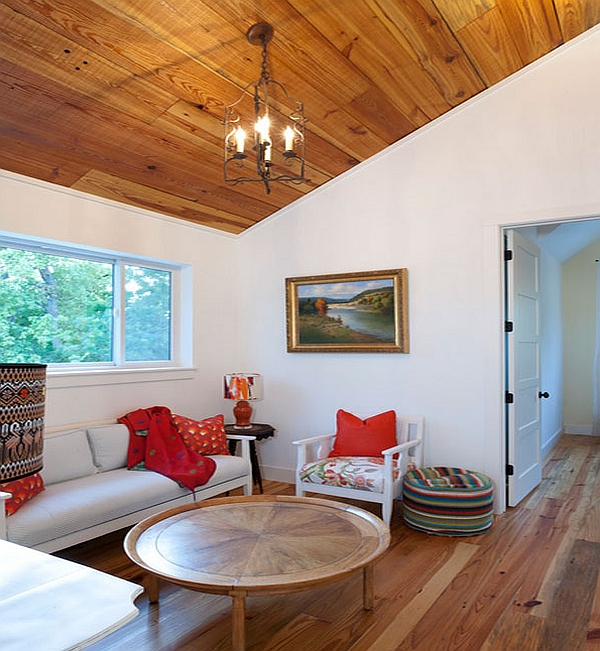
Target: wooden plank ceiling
{"points": [[125, 98]]}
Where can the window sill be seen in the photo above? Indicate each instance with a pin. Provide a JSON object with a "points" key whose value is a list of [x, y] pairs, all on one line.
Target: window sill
{"points": [[102, 376]]}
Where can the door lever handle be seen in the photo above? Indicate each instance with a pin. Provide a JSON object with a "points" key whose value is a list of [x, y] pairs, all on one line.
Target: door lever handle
{"points": [[543, 395]]}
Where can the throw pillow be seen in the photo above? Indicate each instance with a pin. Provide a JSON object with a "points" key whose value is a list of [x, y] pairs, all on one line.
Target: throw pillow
{"points": [[205, 436], [21, 490], [364, 438]]}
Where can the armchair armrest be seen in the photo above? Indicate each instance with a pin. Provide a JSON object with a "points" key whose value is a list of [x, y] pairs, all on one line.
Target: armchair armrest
{"points": [[403, 462], [313, 439], [3, 497], [245, 444], [407, 445], [319, 446]]}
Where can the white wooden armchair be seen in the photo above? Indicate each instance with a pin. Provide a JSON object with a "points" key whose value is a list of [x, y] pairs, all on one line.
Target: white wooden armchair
{"points": [[370, 479]]}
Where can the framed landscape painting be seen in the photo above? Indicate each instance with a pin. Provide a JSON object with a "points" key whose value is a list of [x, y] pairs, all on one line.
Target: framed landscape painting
{"points": [[363, 312]]}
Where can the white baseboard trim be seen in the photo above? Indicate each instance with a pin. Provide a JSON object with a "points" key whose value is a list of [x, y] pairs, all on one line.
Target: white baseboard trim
{"points": [[552, 441], [273, 473], [578, 429]]}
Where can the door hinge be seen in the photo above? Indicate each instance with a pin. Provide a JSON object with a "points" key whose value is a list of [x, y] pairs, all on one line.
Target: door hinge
{"points": [[508, 255], [509, 326], [510, 469], [509, 397]]}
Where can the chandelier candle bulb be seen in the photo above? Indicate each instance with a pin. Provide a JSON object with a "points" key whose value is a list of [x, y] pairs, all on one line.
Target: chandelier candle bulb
{"points": [[262, 128], [289, 138], [240, 137]]}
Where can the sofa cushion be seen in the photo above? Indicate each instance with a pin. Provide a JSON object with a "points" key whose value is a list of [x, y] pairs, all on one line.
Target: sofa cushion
{"points": [[67, 455], [21, 491], [109, 445], [82, 503]]}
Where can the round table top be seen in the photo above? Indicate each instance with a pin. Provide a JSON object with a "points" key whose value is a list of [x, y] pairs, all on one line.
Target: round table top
{"points": [[258, 430], [259, 543]]}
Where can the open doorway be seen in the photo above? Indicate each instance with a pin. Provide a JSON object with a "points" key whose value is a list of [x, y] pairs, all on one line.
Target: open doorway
{"points": [[567, 338]]}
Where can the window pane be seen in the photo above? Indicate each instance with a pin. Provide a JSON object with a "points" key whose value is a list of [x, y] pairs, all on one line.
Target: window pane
{"points": [[54, 309], [147, 314]]}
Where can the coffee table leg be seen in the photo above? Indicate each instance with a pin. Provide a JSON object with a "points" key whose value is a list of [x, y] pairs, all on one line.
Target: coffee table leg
{"points": [[368, 587], [239, 620], [151, 585]]}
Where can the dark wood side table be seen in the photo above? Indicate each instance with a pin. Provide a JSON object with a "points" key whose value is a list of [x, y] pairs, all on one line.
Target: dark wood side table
{"points": [[260, 431]]}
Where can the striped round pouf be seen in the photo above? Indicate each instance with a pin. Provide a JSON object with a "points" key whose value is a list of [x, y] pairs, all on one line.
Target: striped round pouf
{"points": [[448, 501]]}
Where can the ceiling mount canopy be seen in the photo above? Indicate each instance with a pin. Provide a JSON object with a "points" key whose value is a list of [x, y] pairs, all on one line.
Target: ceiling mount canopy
{"points": [[264, 128]]}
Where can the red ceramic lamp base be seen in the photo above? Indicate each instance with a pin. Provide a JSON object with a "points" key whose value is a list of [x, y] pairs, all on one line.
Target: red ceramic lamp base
{"points": [[243, 413]]}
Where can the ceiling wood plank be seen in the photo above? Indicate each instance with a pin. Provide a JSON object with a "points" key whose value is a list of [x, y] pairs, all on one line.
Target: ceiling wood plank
{"points": [[135, 194], [533, 26], [460, 14], [365, 42], [577, 16], [418, 25], [42, 51], [488, 43], [43, 163], [129, 46]]}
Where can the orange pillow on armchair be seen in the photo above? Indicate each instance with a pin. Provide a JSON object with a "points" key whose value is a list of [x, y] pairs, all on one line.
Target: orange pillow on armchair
{"points": [[364, 438]]}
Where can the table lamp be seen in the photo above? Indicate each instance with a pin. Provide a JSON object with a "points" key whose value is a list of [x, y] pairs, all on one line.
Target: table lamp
{"points": [[22, 401], [242, 387]]}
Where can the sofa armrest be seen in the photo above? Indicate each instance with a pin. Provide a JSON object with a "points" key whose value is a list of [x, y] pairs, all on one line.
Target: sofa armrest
{"points": [[3, 497], [244, 444]]}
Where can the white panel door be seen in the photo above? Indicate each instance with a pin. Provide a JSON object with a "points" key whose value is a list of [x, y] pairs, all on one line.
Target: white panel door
{"points": [[523, 368]]}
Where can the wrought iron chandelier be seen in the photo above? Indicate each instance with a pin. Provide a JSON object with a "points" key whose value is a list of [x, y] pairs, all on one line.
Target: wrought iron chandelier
{"points": [[274, 127]]}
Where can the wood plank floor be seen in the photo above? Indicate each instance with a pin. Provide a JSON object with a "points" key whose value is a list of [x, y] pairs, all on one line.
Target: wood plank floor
{"points": [[530, 584]]}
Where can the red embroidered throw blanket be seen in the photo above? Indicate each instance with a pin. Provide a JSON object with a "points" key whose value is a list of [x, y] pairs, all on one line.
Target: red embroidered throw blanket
{"points": [[155, 443]]}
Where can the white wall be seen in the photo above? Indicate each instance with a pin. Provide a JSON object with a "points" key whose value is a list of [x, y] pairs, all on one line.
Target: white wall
{"points": [[39, 209], [527, 150], [579, 304]]}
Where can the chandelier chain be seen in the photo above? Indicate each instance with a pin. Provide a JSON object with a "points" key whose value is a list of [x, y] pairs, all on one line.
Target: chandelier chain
{"points": [[264, 73]]}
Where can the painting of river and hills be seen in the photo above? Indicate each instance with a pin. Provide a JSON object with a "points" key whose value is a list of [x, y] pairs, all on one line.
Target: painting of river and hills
{"points": [[353, 312]]}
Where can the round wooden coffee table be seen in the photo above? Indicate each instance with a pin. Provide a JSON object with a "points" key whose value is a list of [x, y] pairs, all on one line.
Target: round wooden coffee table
{"points": [[254, 545]]}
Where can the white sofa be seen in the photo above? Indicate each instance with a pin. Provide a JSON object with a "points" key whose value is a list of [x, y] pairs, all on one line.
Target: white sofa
{"points": [[89, 491]]}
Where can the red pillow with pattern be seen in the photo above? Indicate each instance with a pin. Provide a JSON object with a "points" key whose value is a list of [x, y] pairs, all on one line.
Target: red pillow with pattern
{"points": [[364, 438], [21, 490], [205, 436]]}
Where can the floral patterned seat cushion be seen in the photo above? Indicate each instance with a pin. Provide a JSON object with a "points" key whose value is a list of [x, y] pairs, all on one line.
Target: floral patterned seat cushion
{"points": [[362, 473]]}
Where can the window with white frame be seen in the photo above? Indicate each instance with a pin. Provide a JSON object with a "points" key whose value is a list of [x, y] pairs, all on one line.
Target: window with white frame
{"points": [[69, 307]]}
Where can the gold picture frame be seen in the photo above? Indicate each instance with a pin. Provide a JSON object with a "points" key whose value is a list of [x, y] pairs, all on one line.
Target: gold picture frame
{"points": [[359, 312]]}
